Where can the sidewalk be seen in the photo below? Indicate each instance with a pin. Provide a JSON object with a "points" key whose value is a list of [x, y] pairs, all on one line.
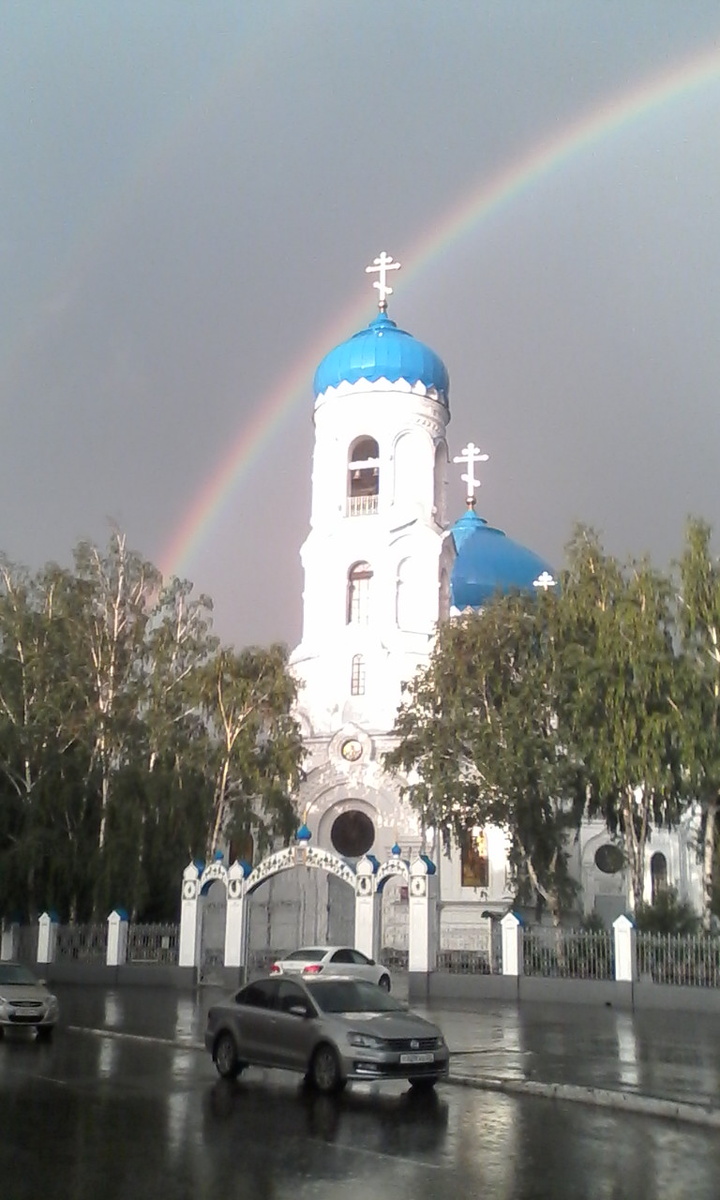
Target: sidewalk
{"points": [[662, 1064]]}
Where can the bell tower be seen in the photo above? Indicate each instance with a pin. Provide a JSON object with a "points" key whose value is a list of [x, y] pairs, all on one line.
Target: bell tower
{"points": [[377, 558]]}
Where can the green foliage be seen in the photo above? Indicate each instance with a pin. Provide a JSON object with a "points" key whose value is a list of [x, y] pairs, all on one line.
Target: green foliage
{"points": [[666, 914], [478, 740], [617, 699], [129, 742]]}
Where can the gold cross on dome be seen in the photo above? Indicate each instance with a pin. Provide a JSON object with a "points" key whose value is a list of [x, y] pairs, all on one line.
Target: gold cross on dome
{"points": [[382, 264]]}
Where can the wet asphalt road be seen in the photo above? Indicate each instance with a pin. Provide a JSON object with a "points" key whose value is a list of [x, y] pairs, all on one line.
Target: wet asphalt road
{"points": [[123, 1106]]}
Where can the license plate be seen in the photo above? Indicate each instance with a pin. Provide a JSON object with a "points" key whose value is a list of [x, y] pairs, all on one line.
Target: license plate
{"points": [[417, 1058]]}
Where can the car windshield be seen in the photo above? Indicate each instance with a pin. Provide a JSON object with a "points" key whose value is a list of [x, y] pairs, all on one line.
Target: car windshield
{"points": [[14, 973], [305, 956], [349, 996]]}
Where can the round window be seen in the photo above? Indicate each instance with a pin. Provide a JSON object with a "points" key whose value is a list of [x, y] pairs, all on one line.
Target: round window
{"points": [[352, 834], [609, 859]]}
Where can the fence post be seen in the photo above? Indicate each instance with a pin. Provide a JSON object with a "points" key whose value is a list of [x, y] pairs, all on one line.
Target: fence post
{"points": [[47, 937], [117, 938], [625, 950], [512, 944], [10, 942]]}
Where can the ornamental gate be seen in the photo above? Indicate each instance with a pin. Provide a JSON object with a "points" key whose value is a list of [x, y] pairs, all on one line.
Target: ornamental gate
{"points": [[297, 896]]}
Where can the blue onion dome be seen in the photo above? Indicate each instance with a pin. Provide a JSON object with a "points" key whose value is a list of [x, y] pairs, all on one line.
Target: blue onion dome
{"points": [[382, 351], [303, 834], [489, 563]]}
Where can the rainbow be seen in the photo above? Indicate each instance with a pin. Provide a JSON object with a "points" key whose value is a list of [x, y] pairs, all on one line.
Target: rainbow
{"points": [[514, 180]]}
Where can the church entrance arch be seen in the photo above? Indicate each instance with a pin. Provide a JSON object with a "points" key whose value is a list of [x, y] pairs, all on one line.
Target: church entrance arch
{"points": [[213, 915], [298, 896]]}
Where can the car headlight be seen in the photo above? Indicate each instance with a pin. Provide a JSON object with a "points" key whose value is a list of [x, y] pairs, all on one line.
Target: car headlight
{"points": [[52, 1001], [366, 1041]]}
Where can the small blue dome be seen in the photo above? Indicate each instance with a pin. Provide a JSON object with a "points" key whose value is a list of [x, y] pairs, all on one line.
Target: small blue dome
{"points": [[382, 351], [488, 562]]}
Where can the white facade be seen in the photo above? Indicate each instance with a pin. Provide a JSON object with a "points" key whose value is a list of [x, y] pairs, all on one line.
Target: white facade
{"points": [[381, 624], [377, 565]]}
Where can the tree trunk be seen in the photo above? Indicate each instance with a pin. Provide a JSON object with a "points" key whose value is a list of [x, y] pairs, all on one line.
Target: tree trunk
{"points": [[709, 861]]}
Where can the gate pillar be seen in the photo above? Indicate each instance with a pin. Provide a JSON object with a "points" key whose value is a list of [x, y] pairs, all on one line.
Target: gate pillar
{"points": [[235, 923], [422, 916], [367, 908], [189, 925]]}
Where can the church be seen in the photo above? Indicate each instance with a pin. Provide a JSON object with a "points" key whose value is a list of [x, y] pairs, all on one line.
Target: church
{"points": [[384, 562]]}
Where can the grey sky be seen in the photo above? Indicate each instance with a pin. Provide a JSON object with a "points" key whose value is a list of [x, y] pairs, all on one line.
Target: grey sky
{"points": [[191, 191]]}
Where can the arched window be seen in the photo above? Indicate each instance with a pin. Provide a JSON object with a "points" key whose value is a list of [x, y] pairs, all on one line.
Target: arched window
{"points": [[441, 458], [358, 594], [658, 875], [357, 676], [474, 858], [404, 595], [363, 477]]}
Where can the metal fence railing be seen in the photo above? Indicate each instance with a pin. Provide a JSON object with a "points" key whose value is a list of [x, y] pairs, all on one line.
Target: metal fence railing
{"points": [[395, 959], [362, 506], [83, 943], [470, 962], [27, 943], [569, 953], [692, 960], [154, 943]]}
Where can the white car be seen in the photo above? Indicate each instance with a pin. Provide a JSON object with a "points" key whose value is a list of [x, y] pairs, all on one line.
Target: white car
{"points": [[311, 961], [24, 1000]]}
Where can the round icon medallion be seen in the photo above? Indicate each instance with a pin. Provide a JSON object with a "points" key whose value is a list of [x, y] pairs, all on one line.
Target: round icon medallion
{"points": [[351, 750]]}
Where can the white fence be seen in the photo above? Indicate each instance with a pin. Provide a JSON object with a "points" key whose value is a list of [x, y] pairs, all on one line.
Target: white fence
{"points": [[620, 954]]}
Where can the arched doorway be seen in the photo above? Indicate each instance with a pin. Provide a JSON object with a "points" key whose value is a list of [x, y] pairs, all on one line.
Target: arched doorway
{"points": [[213, 900], [658, 875], [300, 896]]}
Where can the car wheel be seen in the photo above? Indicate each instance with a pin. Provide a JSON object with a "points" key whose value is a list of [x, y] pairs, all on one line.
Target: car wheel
{"points": [[227, 1063], [423, 1083], [325, 1071], [44, 1033], [384, 983]]}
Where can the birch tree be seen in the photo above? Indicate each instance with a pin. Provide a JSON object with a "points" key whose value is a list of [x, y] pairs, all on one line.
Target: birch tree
{"points": [[118, 589], [617, 704], [247, 701], [38, 708], [479, 741], [699, 625]]}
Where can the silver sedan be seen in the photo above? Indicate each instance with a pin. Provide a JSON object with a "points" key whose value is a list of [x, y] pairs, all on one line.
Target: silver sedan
{"points": [[330, 1030]]}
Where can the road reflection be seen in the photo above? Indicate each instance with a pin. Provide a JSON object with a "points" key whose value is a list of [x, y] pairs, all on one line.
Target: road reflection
{"points": [[413, 1123]]}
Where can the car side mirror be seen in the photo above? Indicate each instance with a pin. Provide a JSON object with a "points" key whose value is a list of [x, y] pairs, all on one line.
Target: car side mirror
{"points": [[372, 962], [299, 1010]]}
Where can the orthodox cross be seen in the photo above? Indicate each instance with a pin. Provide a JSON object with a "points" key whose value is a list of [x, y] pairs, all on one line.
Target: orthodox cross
{"points": [[382, 264], [544, 581], [470, 454]]}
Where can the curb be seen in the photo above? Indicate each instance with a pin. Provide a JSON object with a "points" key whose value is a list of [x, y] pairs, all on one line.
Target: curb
{"points": [[631, 1102]]}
